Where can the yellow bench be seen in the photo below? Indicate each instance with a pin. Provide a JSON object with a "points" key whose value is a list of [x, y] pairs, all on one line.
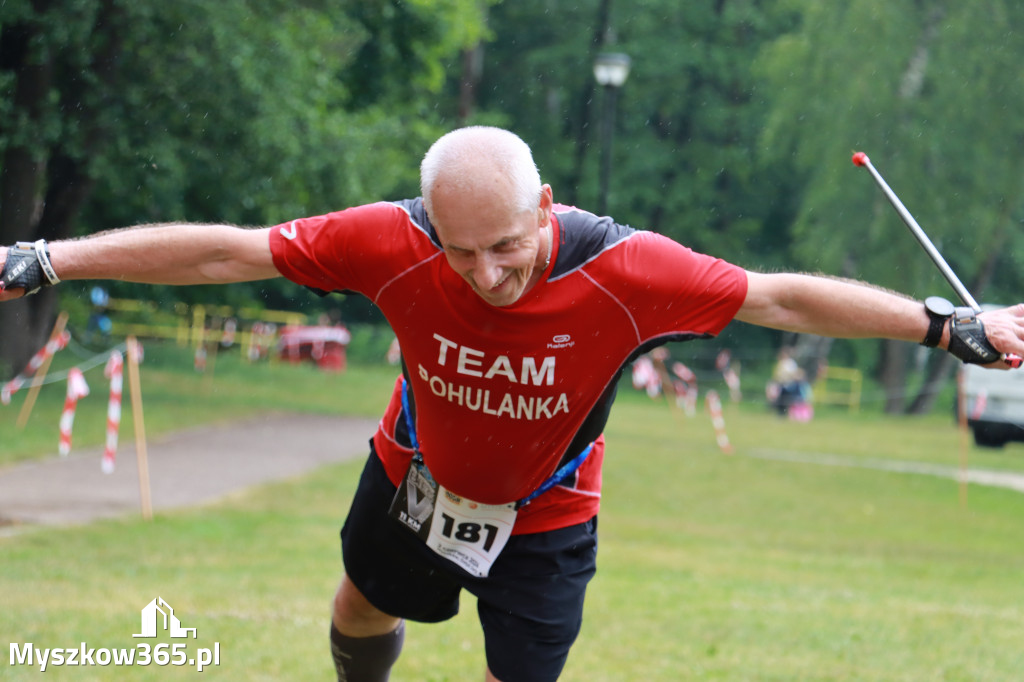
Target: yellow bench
{"points": [[838, 386]]}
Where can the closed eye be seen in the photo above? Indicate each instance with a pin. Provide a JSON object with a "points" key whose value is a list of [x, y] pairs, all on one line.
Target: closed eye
{"points": [[506, 246]]}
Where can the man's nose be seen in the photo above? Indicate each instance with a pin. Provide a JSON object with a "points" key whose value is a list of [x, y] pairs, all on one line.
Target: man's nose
{"points": [[486, 272]]}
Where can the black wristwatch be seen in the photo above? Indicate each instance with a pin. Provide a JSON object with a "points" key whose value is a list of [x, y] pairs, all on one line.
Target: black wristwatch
{"points": [[939, 311]]}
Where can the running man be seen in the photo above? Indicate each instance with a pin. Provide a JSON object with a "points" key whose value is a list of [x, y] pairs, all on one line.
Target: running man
{"points": [[515, 316]]}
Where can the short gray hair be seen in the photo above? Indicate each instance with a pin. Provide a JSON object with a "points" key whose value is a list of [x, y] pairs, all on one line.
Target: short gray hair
{"points": [[462, 148]]}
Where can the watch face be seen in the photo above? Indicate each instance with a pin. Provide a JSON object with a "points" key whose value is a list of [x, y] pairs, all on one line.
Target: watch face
{"points": [[936, 305]]}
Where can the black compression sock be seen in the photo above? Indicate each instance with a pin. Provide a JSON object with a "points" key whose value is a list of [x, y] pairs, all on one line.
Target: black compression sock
{"points": [[366, 659]]}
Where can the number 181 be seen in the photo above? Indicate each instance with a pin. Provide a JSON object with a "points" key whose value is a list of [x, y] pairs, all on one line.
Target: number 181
{"points": [[468, 531]]}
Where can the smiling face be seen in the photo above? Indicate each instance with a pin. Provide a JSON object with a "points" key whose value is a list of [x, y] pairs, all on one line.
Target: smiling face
{"points": [[499, 249], [484, 197]]}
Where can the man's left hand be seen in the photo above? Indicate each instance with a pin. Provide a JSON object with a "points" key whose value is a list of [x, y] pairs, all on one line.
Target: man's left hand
{"points": [[1004, 329]]}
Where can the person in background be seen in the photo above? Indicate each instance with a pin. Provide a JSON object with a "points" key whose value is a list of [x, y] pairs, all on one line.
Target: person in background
{"points": [[789, 388]]}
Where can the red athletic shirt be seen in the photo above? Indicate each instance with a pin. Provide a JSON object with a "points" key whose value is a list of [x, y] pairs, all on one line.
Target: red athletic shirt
{"points": [[503, 394]]}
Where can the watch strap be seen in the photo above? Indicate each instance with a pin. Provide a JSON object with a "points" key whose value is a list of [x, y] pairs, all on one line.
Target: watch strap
{"points": [[939, 310], [936, 325]]}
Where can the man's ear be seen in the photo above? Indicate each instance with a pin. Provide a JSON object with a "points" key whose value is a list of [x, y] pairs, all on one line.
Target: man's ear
{"points": [[547, 202]]}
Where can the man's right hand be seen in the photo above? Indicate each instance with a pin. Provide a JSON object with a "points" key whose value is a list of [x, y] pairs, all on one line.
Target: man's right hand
{"points": [[8, 294]]}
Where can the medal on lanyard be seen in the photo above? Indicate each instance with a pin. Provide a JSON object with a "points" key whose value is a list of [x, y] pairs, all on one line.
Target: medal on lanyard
{"points": [[413, 504]]}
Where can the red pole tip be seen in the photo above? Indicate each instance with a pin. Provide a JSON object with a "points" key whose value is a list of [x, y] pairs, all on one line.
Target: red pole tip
{"points": [[860, 159]]}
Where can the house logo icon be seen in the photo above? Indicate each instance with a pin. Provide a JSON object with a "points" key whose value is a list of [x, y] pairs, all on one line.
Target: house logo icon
{"points": [[151, 621]]}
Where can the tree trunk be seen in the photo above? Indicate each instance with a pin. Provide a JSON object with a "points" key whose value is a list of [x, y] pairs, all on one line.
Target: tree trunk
{"points": [[939, 371], [472, 71], [893, 374], [896, 354], [935, 380], [42, 187], [578, 126], [22, 170]]}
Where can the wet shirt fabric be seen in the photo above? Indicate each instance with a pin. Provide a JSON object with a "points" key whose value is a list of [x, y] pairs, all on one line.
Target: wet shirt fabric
{"points": [[503, 395]]}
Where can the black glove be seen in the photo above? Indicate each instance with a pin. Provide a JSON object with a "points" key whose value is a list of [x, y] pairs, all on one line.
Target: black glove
{"points": [[967, 339], [27, 267]]}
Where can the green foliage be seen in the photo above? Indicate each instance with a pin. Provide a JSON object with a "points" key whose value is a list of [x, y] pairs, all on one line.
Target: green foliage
{"points": [[239, 112], [115, 113], [409, 41], [694, 164], [915, 86], [686, 160], [245, 111], [58, 31], [733, 132]]}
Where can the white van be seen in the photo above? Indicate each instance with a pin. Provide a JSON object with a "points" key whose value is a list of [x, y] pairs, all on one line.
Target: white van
{"points": [[995, 405]]}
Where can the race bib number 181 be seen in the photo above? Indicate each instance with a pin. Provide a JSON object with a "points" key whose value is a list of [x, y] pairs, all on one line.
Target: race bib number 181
{"points": [[469, 533]]}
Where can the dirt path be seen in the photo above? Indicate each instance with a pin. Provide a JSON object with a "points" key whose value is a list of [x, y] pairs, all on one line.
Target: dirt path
{"points": [[186, 468], [205, 464]]}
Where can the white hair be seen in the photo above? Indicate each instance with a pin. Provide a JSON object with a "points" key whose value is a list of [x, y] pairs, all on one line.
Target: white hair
{"points": [[456, 154]]}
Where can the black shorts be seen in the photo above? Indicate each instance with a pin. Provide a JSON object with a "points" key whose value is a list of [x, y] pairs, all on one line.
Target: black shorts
{"points": [[530, 605]]}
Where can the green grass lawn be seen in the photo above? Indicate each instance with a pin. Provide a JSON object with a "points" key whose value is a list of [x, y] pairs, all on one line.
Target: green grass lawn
{"points": [[711, 567]]}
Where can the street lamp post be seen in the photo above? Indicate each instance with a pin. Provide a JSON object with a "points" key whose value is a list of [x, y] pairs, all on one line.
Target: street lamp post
{"points": [[610, 70]]}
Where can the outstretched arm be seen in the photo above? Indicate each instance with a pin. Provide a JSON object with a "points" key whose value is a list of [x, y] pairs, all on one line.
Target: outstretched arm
{"points": [[846, 309], [163, 254]]}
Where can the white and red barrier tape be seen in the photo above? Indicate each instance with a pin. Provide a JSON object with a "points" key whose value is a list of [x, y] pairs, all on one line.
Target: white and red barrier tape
{"points": [[686, 388], [723, 363], [77, 388], [115, 372], [714, 404], [51, 347], [732, 380]]}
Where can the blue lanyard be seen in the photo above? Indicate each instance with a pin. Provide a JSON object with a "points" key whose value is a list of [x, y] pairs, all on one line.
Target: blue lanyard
{"points": [[563, 471], [409, 425]]}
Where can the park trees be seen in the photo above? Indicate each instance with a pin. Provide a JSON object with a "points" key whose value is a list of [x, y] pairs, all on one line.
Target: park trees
{"points": [[736, 126], [733, 133], [247, 111], [929, 91]]}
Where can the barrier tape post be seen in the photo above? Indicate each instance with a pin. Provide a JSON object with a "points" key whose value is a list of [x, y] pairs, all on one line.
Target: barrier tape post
{"points": [[77, 389], [135, 385], [714, 404], [40, 374], [211, 350], [115, 372]]}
